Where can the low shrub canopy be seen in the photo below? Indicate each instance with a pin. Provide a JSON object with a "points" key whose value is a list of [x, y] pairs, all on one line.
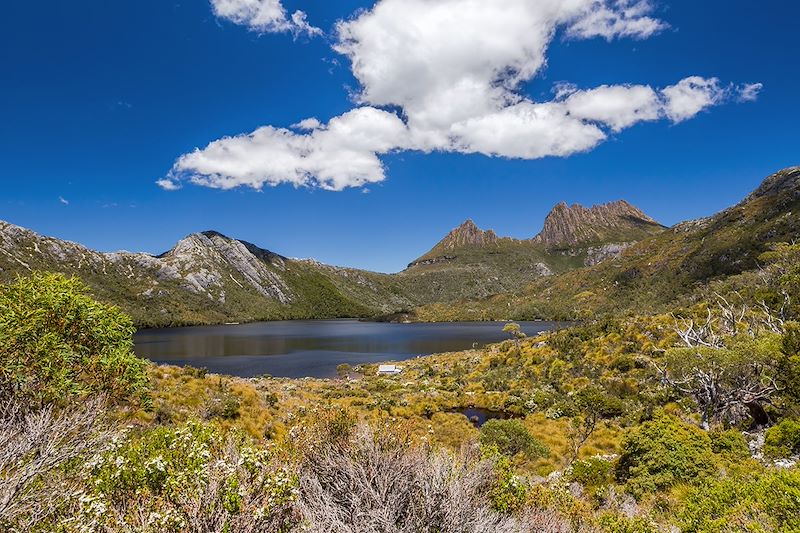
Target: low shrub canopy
{"points": [[57, 344], [783, 440], [663, 452], [511, 437], [759, 501]]}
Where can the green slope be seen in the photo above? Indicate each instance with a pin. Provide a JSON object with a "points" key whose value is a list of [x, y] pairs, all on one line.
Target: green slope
{"points": [[661, 271]]}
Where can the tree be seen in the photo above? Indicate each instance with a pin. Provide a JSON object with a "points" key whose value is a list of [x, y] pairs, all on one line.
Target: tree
{"points": [[514, 330], [343, 370], [729, 362], [594, 405], [728, 384], [58, 344]]}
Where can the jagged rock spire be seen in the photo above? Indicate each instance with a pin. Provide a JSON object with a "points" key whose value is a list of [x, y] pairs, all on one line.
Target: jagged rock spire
{"points": [[575, 225]]}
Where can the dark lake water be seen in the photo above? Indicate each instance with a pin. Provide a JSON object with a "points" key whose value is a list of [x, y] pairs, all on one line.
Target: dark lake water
{"points": [[312, 348]]}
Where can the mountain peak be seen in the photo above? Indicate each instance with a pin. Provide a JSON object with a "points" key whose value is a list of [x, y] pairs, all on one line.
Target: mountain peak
{"points": [[467, 234], [783, 180], [617, 221]]}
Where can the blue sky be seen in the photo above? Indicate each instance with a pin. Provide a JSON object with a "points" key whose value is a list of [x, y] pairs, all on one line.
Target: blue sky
{"points": [[99, 99]]}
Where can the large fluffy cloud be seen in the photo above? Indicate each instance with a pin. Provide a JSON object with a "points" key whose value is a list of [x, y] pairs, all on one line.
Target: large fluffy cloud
{"points": [[454, 70], [262, 16], [343, 153]]}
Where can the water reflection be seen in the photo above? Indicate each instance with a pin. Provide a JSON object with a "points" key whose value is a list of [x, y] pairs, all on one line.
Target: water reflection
{"points": [[312, 347]]}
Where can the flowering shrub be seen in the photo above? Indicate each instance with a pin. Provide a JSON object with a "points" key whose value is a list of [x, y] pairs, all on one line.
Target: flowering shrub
{"points": [[509, 491], [592, 472], [173, 480]]}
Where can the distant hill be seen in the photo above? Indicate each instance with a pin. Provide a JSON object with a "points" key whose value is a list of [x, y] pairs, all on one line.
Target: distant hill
{"points": [[659, 271], [205, 278], [211, 278]]}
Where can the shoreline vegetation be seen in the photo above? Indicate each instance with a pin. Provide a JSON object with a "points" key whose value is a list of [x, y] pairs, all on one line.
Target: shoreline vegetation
{"points": [[688, 419]]}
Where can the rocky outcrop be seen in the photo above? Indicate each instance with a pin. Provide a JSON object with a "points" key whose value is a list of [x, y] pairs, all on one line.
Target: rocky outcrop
{"points": [[202, 263], [576, 225], [597, 254], [784, 180], [467, 234], [203, 259]]}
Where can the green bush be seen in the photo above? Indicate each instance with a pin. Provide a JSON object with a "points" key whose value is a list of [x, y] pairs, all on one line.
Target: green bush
{"points": [[789, 363], [511, 437], [57, 343], [616, 523], [597, 402], [729, 443], [662, 452], [783, 440], [508, 492], [592, 472], [177, 479], [767, 501]]}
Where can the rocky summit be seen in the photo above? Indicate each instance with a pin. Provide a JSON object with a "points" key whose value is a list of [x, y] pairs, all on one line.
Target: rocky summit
{"points": [[468, 234], [576, 225]]}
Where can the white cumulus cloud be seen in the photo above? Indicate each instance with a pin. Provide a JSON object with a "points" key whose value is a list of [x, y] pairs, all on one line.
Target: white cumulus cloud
{"points": [[617, 106], [445, 75], [265, 16], [343, 153]]}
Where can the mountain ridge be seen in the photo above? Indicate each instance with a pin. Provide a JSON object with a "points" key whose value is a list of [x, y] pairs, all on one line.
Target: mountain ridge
{"points": [[608, 254], [570, 226], [680, 264]]}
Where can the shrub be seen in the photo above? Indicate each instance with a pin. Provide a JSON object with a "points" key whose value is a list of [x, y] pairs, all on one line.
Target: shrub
{"points": [[616, 523], [512, 437], [662, 452], [592, 472], [223, 403], [600, 404], [508, 492], [187, 479], [57, 343], [782, 440], [789, 362], [729, 443], [35, 451], [766, 501], [378, 481]]}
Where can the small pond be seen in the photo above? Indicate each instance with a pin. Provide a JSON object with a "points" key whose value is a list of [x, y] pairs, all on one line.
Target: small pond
{"points": [[478, 416]]}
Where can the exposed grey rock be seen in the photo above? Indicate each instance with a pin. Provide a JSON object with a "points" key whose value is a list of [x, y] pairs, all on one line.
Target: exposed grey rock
{"points": [[597, 254], [542, 269], [201, 263]]}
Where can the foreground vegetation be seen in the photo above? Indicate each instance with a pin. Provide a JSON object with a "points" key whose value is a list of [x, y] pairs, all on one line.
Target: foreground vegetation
{"points": [[687, 420]]}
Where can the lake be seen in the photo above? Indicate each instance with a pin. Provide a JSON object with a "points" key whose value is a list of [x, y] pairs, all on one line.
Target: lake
{"points": [[313, 348]]}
